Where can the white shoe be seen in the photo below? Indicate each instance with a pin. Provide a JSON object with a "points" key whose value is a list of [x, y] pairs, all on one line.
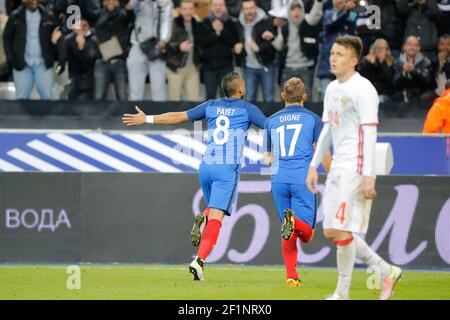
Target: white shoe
{"points": [[196, 268], [336, 296], [389, 283]]}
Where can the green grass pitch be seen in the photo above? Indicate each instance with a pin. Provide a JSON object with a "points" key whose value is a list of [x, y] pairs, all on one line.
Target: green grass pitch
{"points": [[222, 282]]}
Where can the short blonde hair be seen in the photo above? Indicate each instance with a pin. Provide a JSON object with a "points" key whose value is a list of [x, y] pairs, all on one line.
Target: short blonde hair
{"points": [[351, 42], [294, 90]]}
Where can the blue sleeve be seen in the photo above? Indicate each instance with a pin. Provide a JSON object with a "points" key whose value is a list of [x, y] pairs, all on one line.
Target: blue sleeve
{"points": [[317, 128], [256, 116], [198, 112], [267, 144]]}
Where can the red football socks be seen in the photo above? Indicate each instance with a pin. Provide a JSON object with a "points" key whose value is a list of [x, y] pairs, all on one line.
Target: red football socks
{"points": [[290, 252], [303, 230], [209, 238]]}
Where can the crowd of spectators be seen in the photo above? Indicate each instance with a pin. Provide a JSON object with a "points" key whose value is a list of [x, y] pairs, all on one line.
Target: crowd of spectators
{"points": [[180, 46]]}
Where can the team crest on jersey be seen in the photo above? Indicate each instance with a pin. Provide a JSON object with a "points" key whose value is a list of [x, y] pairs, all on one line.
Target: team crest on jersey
{"points": [[345, 101]]}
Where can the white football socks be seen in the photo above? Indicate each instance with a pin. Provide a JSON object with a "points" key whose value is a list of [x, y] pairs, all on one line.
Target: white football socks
{"points": [[346, 256], [370, 257]]}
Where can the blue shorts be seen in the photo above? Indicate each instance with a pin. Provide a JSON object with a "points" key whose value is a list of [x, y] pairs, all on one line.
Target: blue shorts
{"points": [[219, 185], [298, 198]]}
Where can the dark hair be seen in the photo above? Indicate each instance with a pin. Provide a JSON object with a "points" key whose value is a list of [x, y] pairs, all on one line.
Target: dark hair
{"points": [[447, 84], [242, 2], [230, 83], [293, 89], [351, 42]]}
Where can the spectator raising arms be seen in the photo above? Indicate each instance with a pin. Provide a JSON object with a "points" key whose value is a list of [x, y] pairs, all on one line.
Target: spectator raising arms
{"points": [[378, 67], [217, 38], [300, 46], [183, 55], [79, 49], [29, 39], [257, 54]]}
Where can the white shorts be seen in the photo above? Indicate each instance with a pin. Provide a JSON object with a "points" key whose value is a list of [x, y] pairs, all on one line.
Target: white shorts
{"points": [[344, 205]]}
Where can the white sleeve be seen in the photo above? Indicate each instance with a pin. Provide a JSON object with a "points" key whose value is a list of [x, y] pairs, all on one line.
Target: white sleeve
{"points": [[323, 144], [369, 147], [325, 117], [367, 104]]}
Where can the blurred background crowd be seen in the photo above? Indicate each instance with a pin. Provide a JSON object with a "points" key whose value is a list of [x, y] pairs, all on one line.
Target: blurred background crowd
{"points": [[163, 50]]}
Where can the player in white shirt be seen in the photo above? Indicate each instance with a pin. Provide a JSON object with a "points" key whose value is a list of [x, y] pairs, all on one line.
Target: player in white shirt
{"points": [[350, 117]]}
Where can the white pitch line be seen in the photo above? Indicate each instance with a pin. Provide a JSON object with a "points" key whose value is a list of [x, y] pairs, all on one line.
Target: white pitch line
{"points": [[62, 156], [33, 161], [92, 152]]}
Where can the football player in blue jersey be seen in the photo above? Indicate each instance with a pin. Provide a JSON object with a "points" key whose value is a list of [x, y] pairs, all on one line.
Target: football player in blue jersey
{"points": [[228, 120], [290, 136]]}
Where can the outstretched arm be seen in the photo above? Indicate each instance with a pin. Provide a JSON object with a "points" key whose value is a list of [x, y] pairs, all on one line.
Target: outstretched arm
{"points": [[141, 118]]}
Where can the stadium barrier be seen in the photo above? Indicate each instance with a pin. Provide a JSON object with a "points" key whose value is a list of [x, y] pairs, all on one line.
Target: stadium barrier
{"points": [[146, 218], [37, 114], [177, 151]]}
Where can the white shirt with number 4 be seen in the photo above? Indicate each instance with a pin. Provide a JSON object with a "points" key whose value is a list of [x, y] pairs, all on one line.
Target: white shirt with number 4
{"points": [[348, 106]]}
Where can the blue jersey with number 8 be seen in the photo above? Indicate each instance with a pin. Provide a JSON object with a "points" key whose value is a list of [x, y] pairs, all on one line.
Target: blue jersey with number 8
{"points": [[290, 135], [228, 121]]}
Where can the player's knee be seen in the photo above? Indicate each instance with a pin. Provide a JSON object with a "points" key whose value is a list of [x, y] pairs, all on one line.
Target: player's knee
{"points": [[330, 234], [216, 214], [306, 239]]}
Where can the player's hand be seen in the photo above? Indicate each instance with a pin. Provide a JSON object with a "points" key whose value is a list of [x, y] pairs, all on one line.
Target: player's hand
{"points": [[312, 180], [137, 119], [368, 187]]}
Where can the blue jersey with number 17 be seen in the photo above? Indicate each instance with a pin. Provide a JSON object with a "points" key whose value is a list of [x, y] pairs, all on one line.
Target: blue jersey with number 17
{"points": [[228, 121], [290, 135]]}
